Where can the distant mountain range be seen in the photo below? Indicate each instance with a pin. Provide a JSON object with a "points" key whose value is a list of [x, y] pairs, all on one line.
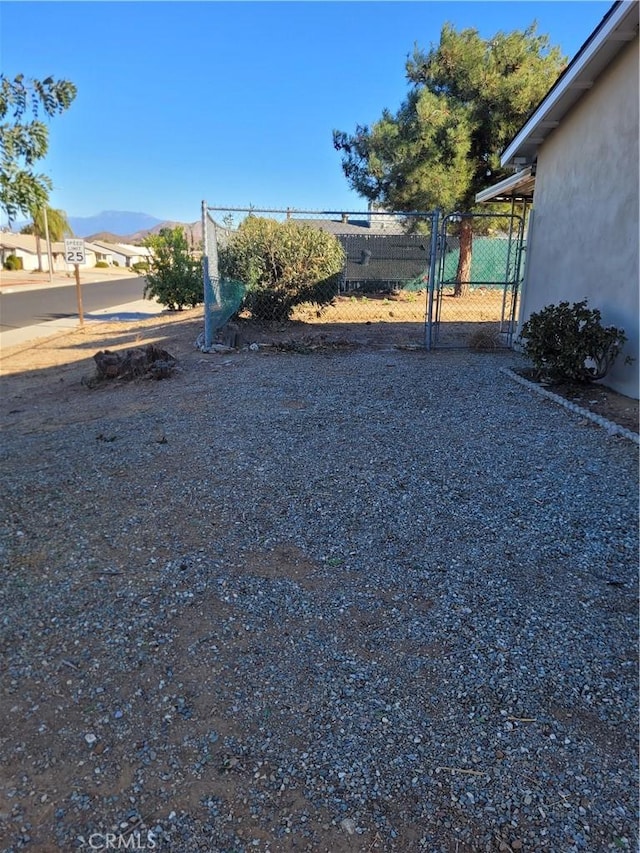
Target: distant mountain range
{"points": [[121, 226], [192, 230], [113, 221]]}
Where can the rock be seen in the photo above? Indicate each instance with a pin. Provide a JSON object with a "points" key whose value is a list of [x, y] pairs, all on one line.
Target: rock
{"points": [[348, 825]]}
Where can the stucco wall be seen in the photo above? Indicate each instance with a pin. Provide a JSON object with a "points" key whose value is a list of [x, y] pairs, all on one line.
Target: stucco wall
{"points": [[584, 234], [29, 261]]}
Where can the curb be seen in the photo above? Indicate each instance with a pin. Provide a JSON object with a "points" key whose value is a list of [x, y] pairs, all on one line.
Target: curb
{"points": [[611, 427]]}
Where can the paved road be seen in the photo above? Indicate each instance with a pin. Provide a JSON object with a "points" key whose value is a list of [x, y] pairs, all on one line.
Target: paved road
{"points": [[27, 308]]}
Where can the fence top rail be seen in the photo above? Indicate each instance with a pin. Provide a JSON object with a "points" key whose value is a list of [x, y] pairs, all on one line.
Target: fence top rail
{"points": [[291, 210]]}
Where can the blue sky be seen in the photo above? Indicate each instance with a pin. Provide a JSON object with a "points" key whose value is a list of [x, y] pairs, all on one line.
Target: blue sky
{"points": [[232, 102]]}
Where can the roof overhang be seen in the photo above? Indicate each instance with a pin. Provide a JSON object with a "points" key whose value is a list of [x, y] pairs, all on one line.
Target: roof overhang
{"points": [[518, 187], [620, 25]]}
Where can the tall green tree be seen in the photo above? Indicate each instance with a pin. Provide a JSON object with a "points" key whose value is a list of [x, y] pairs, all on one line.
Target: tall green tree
{"points": [[468, 97], [57, 223], [24, 139]]}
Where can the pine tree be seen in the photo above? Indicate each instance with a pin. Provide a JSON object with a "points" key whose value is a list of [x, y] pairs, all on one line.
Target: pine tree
{"points": [[468, 98]]}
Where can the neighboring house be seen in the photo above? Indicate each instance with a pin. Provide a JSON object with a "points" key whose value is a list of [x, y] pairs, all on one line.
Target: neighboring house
{"points": [[24, 246], [135, 254], [100, 253], [578, 153], [122, 254]]}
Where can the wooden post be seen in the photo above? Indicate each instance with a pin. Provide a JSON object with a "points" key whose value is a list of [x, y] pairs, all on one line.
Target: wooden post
{"points": [[79, 294]]}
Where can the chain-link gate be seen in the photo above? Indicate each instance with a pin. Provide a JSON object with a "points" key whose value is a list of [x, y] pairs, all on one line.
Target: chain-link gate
{"points": [[475, 295], [409, 277], [347, 270]]}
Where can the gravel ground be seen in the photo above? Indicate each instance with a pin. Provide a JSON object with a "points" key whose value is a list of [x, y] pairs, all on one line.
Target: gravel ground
{"points": [[344, 600]]}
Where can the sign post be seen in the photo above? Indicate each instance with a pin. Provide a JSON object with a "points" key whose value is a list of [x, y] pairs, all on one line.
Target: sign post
{"points": [[74, 253]]}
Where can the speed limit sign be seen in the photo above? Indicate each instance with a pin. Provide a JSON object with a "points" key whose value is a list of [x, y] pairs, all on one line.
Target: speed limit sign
{"points": [[74, 251]]}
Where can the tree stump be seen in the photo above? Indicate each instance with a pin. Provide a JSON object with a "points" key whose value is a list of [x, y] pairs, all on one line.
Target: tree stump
{"points": [[138, 363]]}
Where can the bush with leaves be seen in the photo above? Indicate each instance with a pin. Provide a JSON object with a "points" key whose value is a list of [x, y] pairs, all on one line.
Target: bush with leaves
{"points": [[569, 343], [13, 262], [282, 264], [174, 277]]}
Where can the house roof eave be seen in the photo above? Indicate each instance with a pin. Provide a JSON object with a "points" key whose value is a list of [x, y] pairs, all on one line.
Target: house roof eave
{"points": [[619, 26], [518, 187]]}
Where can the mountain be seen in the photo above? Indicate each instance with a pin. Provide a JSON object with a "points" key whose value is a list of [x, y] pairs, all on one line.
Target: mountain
{"points": [[112, 221], [105, 237], [193, 232]]}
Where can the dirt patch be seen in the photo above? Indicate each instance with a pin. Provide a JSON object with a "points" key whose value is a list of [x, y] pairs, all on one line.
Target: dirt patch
{"points": [[379, 323], [595, 398]]}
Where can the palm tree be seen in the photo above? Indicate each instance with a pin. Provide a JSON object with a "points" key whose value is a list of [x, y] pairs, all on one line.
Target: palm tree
{"points": [[58, 223]]}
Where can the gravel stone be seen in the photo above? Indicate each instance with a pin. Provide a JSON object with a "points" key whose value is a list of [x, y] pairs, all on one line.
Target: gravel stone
{"points": [[357, 600]]}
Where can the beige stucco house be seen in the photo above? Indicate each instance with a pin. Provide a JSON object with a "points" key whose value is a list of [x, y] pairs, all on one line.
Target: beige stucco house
{"points": [[25, 247], [579, 154], [123, 254]]}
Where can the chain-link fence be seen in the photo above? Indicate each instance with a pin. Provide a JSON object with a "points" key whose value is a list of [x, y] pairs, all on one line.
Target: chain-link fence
{"points": [[409, 278], [329, 268], [480, 268]]}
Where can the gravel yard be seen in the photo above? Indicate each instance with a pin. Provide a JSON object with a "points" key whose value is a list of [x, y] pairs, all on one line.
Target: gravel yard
{"points": [[346, 599]]}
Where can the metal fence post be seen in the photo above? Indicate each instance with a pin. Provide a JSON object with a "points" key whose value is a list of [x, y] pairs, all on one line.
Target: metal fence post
{"points": [[433, 266], [206, 280], [210, 274]]}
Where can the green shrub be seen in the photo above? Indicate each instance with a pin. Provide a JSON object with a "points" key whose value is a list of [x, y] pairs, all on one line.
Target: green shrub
{"points": [[101, 265], [115, 263], [568, 342], [13, 262], [174, 277], [283, 264], [140, 266]]}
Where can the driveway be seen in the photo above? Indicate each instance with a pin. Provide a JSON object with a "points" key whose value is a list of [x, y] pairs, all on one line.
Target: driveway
{"points": [[327, 600]]}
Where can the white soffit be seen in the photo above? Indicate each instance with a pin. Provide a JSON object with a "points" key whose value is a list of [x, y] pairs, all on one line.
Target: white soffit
{"points": [[518, 187], [619, 26]]}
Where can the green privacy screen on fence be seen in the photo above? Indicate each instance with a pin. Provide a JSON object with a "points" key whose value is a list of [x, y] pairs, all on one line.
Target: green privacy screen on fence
{"points": [[489, 261], [226, 298], [491, 258], [222, 296]]}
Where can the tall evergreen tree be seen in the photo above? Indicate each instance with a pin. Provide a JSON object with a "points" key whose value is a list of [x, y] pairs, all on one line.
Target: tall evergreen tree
{"points": [[468, 97]]}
